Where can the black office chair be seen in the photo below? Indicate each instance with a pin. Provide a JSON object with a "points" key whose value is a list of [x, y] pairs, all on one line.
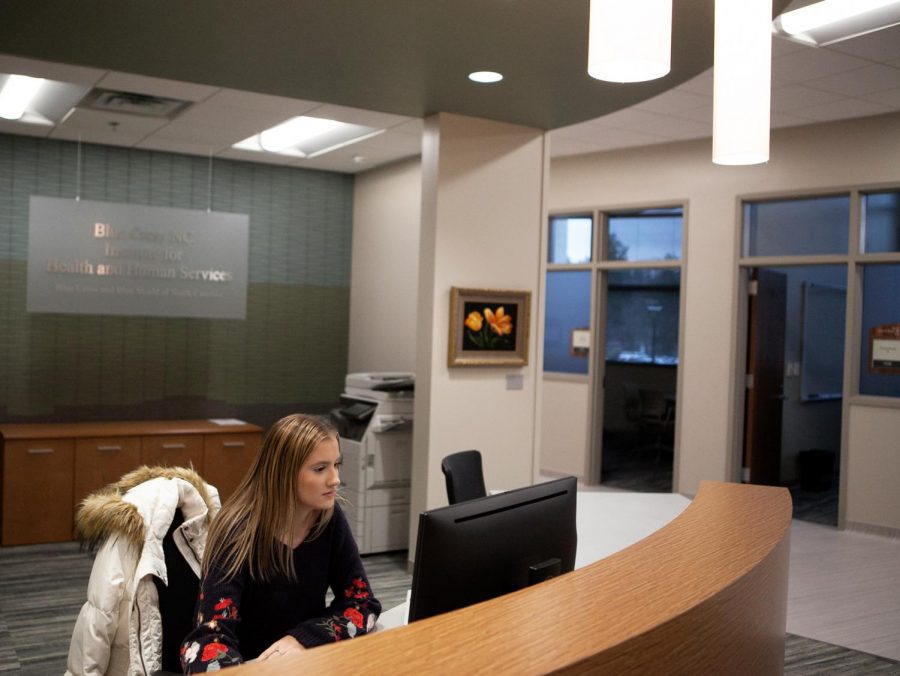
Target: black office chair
{"points": [[465, 479]]}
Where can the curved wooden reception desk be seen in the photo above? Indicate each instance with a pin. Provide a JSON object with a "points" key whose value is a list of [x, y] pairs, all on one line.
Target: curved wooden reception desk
{"points": [[705, 594]]}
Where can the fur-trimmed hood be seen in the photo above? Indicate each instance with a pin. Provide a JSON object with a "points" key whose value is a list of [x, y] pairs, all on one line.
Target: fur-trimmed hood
{"points": [[105, 513]]}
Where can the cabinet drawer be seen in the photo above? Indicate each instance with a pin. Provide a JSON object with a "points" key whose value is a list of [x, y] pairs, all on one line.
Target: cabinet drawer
{"points": [[226, 458], [173, 450], [37, 491], [102, 461]]}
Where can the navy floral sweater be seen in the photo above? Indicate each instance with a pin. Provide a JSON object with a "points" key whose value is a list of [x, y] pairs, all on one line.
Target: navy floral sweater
{"points": [[239, 618]]}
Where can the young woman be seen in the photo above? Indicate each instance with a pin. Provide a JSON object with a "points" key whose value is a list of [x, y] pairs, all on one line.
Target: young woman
{"points": [[273, 551]]}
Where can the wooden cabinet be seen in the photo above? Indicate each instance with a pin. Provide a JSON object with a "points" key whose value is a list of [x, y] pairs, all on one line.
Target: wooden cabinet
{"points": [[173, 450], [226, 458], [37, 490], [47, 469], [101, 461]]}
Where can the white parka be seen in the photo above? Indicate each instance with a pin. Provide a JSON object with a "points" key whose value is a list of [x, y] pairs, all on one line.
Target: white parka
{"points": [[119, 630]]}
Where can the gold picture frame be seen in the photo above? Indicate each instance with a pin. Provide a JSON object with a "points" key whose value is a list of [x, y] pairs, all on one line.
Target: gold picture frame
{"points": [[488, 327]]}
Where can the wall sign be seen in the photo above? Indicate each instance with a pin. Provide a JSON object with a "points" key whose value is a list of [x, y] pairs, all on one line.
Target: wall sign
{"points": [[106, 258], [580, 344], [884, 348]]}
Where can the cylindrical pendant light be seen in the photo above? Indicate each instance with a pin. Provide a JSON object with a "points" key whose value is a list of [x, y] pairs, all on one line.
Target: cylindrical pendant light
{"points": [[630, 40], [742, 81]]}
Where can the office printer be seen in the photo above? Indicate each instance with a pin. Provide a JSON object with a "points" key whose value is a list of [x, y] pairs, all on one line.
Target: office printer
{"points": [[374, 422]]}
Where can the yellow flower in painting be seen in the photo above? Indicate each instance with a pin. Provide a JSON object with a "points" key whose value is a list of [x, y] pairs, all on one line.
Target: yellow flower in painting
{"points": [[500, 322], [474, 321]]}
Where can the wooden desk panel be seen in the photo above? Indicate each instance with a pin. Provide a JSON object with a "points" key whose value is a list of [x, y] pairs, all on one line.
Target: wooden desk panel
{"points": [[706, 594]]}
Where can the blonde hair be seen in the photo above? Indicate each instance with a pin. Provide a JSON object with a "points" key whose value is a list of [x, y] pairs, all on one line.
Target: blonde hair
{"points": [[249, 527]]}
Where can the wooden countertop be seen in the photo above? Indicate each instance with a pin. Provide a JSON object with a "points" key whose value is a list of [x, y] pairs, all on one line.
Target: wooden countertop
{"points": [[705, 594], [120, 429]]}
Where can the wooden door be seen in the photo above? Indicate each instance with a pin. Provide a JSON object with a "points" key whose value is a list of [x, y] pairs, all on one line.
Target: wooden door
{"points": [[765, 368]]}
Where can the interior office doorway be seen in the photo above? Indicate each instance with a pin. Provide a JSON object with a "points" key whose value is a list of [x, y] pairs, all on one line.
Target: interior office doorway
{"points": [[794, 264], [637, 343], [639, 384], [612, 314]]}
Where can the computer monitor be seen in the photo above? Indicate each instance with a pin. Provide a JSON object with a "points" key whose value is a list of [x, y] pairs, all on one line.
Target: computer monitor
{"points": [[475, 550]]}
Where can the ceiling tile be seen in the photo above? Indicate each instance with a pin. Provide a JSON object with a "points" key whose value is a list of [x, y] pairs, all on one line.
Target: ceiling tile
{"points": [[701, 84], [368, 118], [809, 63], [883, 45], [890, 97], [265, 103], [79, 75], [154, 86], [244, 121], [794, 97], [204, 134], [703, 114], [678, 129], [872, 78], [634, 119], [674, 101], [389, 142], [414, 126], [11, 127], [780, 120], [782, 46], [843, 109]]}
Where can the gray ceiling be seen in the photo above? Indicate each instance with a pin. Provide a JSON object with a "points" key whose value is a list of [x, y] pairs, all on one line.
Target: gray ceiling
{"points": [[245, 66], [407, 57]]}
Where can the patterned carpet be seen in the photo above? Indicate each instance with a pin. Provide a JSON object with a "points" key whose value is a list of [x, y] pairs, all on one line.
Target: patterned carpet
{"points": [[42, 588]]}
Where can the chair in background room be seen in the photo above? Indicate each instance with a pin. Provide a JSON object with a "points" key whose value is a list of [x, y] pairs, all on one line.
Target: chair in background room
{"points": [[657, 419], [465, 478], [631, 405]]}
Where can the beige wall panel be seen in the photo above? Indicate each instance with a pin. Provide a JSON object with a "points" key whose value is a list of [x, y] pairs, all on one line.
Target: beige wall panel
{"points": [[386, 214], [481, 228], [564, 425], [873, 467]]}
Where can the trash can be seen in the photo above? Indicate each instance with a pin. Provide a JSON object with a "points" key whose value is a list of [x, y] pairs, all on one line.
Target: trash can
{"points": [[816, 469]]}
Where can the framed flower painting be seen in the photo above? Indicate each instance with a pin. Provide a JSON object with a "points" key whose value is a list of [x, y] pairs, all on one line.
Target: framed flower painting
{"points": [[488, 327]]}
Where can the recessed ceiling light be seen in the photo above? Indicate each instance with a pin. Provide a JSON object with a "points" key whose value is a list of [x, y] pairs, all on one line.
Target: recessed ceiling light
{"points": [[16, 94], [485, 76], [307, 137], [830, 21]]}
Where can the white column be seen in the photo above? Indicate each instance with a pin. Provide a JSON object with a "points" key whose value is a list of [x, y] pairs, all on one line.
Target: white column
{"points": [[483, 188]]}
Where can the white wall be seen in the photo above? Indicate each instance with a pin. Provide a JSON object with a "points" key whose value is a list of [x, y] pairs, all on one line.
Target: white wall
{"points": [[833, 155], [384, 279], [482, 216]]}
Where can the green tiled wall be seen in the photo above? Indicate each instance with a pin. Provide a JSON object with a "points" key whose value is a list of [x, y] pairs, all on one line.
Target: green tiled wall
{"points": [[292, 347]]}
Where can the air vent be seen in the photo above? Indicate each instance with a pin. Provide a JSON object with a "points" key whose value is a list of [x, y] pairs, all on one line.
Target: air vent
{"points": [[133, 104]]}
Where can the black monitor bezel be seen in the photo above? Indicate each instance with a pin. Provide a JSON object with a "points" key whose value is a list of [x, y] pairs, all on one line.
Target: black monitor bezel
{"points": [[555, 538]]}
